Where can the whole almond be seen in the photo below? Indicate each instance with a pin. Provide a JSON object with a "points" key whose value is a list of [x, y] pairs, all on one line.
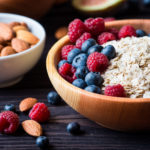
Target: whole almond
{"points": [[8, 50], [19, 45], [32, 127], [6, 31], [20, 27], [12, 24], [27, 104], [60, 32], [27, 36]]}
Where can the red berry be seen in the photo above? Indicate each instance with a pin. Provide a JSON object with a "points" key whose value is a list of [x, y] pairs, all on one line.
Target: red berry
{"points": [[67, 71], [115, 90], [82, 39], [39, 112], [105, 37], [65, 50], [126, 31], [9, 122], [95, 26], [113, 31], [76, 29], [108, 19], [97, 62]]}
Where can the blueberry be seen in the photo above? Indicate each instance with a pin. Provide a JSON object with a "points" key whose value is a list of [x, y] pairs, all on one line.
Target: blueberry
{"points": [[93, 78], [73, 128], [79, 60], [42, 142], [95, 48], [146, 3], [79, 83], [87, 44], [81, 72], [93, 89], [53, 98], [72, 54], [61, 63], [109, 51], [10, 107], [140, 33]]}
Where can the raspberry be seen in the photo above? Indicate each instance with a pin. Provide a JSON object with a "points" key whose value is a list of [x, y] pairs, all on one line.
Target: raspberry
{"points": [[115, 90], [105, 37], [126, 31], [113, 31], [97, 62], [95, 26], [65, 50], [108, 19], [9, 122], [85, 36], [76, 29], [67, 71], [39, 112]]}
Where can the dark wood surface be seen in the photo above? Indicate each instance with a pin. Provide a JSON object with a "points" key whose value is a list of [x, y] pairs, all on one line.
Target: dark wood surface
{"points": [[36, 84]]}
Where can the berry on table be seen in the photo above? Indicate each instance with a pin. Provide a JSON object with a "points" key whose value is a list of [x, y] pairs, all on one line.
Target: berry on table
{"points": [[95, 48], [53, 98], [62, 62], [81, 72], [113, 31], [9, 122], [140, 33], [93, 89], [42, 142], [108, 19], [73, 128], [97, 62], [39, 112], [10, 107], [80, 83]]}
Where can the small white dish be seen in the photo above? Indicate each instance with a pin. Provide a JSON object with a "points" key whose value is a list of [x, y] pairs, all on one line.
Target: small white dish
{"points": [[13, 67]]}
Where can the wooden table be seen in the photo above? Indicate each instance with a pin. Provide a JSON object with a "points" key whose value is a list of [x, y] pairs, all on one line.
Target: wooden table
{"points": [[36, 84]]}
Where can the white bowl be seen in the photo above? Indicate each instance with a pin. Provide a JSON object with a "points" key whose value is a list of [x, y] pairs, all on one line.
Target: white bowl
{"points": [[13, 67]]}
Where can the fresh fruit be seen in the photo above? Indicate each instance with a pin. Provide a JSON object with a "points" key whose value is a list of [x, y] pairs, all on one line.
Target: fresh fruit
{"points": [[9, 122], [32, 127], [75, 29], [93, 78], [53, 98], [97, 62], [62, 62], [95, 48], [79, 83], [146, 3], [126, 31], [79, 60], [114, 31], [73, 128], [115, 90], [105, 37], [109, 51], [67, 71], [42, 142], [140, 33], [93, 89], [108, 19], [27, 104], [39, 112], [10, 107], [81, 72]]}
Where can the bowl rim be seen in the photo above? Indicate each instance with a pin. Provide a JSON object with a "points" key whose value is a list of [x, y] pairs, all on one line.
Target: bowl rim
{"points": [[29, 50], [50, 63]]}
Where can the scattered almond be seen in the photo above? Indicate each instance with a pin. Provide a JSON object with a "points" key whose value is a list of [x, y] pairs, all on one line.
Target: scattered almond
{"points": [[20, 27], [32, 127], [8, 50], [27, 104], [62, 31]]}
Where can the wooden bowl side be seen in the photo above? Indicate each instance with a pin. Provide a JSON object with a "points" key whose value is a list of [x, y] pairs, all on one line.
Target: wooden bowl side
{"points": [[123, 114]]}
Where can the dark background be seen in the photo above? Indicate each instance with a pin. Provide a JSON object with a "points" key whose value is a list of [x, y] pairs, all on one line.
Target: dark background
{"points": [[36, 84]]}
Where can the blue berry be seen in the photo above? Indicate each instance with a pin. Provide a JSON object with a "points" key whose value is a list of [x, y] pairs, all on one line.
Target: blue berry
{"points": [[79, 83], [53, 98], [140, 33], [93, 78], [146, 3], [81, 72], [72, 54], [79, 60], [109, 51], [93, 89], [87, 44], [10, 107], [73, 128], [95, 48], [61, 63], [42, 142]]}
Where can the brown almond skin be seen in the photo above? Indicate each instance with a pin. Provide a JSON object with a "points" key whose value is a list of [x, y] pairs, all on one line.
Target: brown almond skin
{"points": [[8, 50], [1, 47], [19, 45], [32, 127], [27, 104], [12, 24], [2, 41], [20, 27], [60, 32]]}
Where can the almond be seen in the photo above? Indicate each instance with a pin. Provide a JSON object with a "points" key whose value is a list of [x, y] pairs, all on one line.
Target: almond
{"points": [[6, 32], [8, 50], [27, 104], [32, 127], [1, 47], [2, 41], [60, 32], [19, 45], [12, 24], [20, 27], [27, 36]]}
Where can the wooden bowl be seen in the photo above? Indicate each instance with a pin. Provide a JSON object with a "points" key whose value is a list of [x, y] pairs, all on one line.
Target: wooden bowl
{"points": [[123, 114]]}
